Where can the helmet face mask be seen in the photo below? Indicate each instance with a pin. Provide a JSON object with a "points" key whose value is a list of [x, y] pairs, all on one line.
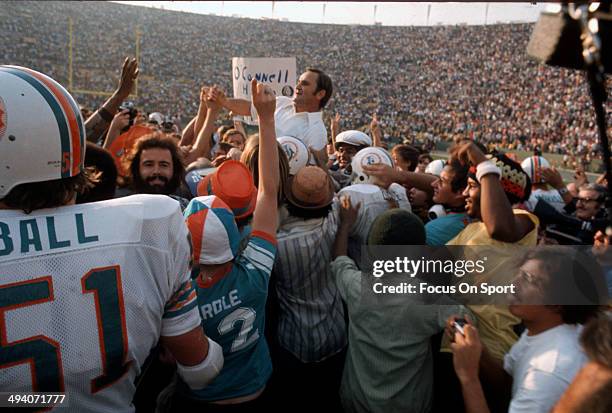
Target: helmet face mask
{"points": [[42, 133], [368, 156]]}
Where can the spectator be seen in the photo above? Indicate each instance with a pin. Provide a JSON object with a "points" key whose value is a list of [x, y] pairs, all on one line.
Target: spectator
{"points": [[155, 167], [311, 326], [233, 183], [448, 192], [104, 167], [581, 218], [541, 365], [237, 278], [424, 160], [235, 138], [389, 361], [250, 157], [405, 157], [347, 144]]}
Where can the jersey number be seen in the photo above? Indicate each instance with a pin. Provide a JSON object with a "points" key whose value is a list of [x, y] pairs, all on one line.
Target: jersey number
{"points": [[247, 316], [43, 354]]}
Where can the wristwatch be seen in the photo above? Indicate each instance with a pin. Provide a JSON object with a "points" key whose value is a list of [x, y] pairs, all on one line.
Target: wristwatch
{"points": [[562, 191]]}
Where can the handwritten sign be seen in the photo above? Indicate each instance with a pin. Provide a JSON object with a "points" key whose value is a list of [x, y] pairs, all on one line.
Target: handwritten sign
{"points": [[279, 73]]}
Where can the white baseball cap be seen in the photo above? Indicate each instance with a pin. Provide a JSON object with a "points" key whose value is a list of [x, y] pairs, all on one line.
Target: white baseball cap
{"points": [[353, 137]]}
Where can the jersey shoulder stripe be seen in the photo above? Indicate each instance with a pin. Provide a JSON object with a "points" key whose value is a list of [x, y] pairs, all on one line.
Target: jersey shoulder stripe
{"points": [[182, 301]]}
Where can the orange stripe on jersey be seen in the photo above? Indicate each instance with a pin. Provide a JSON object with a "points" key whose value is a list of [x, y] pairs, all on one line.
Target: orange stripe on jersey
{"points": [[70, 116], [264, 235], [182, 303]]}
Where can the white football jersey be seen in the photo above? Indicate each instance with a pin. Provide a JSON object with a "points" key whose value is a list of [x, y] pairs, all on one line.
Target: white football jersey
{"points": [[85, 293]]}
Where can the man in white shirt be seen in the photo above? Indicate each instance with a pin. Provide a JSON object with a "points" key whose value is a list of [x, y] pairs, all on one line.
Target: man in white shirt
{"points": [[300, 117], [546, 358]]}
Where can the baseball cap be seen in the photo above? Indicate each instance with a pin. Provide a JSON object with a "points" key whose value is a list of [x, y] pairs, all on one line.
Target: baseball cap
{"points": [[214, 234], [353, 137]]}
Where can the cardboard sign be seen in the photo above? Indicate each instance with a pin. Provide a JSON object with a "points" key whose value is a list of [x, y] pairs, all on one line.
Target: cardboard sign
{"points": [[277, 72]]}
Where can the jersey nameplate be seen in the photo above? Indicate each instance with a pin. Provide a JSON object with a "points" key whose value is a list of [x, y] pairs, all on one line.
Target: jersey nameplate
{"points": [[24, 236]]}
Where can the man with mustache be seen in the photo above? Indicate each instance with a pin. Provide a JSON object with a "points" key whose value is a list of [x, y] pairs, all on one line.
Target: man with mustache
{"points": [[155, 167]]}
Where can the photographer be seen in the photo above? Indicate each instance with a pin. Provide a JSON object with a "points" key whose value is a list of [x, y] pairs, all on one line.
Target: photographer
{"points": [[122, 137]]}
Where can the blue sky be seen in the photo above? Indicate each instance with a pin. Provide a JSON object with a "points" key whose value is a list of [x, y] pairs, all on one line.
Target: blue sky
{"points": [[394, 14]]}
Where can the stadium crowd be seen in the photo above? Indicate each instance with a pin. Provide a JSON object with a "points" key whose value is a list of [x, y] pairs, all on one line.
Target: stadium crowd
{"points": [[241, 262], [425, 83]]}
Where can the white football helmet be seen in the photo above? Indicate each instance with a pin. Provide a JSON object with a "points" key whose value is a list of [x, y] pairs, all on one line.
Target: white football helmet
{"points": [[533, 167], [42, 133], [296, 151], [368, 156], [435, 167]]}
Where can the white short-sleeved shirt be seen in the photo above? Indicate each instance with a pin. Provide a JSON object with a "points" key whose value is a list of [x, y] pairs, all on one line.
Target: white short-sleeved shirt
{"points": [[305, 126], [542, 367]]}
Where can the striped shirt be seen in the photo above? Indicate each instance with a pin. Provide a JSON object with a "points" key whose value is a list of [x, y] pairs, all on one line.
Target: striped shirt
{"points": [[311, 322]]}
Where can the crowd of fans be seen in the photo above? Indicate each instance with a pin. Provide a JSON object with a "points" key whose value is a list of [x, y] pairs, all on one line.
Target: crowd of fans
{"points": [[425, 83], [282, 218]]}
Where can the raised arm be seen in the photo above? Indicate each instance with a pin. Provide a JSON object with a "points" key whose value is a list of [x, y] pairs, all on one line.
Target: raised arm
{"points": [[553, 178], [120, 121], [376, 132], [467, 350], [238, 106], [265, 216], [98, 123], [202, 111], [188, 135], [348, 216], [202, 145], [387, 175], [334, 128], [495, 209]]}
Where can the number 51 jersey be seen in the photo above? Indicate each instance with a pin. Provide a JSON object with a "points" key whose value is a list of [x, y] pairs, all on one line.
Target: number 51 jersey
{"points": [[85, 293]]}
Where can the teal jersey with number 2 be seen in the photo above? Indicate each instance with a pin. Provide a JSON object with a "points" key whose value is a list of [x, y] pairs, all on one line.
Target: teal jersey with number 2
{"points": [[233, 315]]}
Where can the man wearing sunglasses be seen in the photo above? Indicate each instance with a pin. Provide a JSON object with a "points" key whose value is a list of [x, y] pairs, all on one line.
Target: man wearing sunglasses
{"points": [[589, 203], [581, 218]]}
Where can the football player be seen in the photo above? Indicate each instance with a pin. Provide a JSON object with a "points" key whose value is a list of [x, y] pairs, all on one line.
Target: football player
{"points": [[85, 290]]}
